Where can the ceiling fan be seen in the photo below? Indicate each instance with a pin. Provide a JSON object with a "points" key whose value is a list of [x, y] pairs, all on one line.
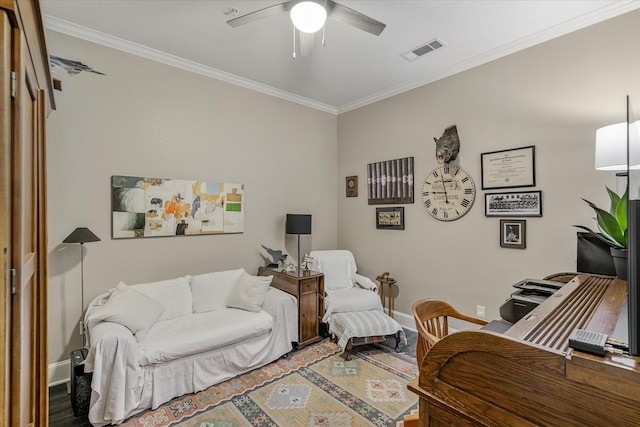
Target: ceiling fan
{"points": [[309, 17]]}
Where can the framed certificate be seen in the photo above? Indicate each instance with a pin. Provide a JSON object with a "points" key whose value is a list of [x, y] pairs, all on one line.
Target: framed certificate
{"points": [[508, 168]]}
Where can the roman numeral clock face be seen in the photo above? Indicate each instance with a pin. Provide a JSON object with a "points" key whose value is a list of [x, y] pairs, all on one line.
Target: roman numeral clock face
{"points": [[448, 193]]}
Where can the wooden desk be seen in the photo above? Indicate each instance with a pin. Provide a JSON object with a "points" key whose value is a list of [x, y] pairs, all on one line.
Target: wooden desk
{"points": [[529, 376], [307, 290]]}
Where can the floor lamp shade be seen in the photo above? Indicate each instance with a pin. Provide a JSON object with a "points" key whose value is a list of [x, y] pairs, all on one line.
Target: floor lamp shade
{"points": [[81, 235], [298, 224]]}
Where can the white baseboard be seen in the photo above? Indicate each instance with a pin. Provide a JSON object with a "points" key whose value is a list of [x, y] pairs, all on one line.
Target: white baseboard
{"points": [[59, 372], [405, 320]]}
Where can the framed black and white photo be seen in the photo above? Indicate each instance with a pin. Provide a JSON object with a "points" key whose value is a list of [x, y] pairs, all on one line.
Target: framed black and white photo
{"points": [[517, 203], [390, 218], [513, 233], [508, 168]]}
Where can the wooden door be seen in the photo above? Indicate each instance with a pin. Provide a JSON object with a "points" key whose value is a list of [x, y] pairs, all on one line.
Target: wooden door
{"points": [[5, 209], [26, 97], [28, 246]]}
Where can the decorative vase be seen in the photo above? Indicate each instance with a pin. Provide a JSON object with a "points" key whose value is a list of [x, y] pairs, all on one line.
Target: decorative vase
{"points": [[620, 262]]}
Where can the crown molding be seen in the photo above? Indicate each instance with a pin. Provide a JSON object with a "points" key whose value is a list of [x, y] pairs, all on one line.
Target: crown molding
{"points": [[65, 27], [567, 27], [84, 33]]}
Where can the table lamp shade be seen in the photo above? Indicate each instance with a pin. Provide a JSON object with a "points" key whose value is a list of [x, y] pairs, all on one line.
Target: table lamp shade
{"points": [[81, 235], [298, 224]]}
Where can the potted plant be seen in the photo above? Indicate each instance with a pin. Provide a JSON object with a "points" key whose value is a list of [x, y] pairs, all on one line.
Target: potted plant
{"points": [[612, 226]]}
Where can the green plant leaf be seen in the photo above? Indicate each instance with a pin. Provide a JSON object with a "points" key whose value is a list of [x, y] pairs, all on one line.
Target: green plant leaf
{"points": [[608, 224], [612, 224], [600, 236], [614, 201], [621, 212]]}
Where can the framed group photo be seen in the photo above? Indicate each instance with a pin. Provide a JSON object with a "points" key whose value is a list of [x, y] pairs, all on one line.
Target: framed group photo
{"points": [[517, 203], [513, 233]]}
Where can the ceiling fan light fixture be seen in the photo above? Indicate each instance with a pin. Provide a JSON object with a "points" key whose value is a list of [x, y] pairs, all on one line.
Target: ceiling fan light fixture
{"points": [[308, 16]]}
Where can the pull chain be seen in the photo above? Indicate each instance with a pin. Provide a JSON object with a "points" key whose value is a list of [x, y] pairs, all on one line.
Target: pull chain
{"points": [[294, 42]]}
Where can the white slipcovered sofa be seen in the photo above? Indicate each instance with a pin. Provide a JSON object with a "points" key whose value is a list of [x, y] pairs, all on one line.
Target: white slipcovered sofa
{"points": [[155, 341]]}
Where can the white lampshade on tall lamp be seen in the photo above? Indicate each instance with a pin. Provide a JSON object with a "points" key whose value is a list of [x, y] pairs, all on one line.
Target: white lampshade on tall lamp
{"points": [[611, 149], [81, 235], [308, 16]]}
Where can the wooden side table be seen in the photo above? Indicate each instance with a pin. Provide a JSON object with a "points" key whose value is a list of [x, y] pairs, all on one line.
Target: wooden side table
{"points": [[384, 279], [306, 289]]}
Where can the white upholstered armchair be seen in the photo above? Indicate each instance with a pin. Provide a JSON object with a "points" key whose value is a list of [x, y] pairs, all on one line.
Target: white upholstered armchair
{"points": [[353, 308], [345, 289]]}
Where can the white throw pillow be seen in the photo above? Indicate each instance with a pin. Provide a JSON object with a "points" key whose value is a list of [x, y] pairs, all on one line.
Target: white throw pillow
{"points": [[249, 292], [173, 294], [211, 290], [131, 309], [337, 273]]}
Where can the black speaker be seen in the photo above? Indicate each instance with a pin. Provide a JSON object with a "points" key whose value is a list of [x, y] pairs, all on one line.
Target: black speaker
{"points": [[80, 383]]}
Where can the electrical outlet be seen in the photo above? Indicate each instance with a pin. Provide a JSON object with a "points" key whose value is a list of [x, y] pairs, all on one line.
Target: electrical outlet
{"points": [[480, 311]]}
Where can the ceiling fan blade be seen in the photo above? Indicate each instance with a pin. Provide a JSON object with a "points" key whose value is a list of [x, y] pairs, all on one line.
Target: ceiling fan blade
{"points": [[306, 43], [354, 18], [259, 14]]}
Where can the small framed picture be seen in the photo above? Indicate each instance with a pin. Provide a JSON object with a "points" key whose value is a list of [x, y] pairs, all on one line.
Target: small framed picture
{"points": [[520, 203], [352, 186], [390, 218], [513, 233]]}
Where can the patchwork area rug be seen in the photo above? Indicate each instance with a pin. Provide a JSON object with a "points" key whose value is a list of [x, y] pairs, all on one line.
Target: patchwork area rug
{"points": [[314, 386]]}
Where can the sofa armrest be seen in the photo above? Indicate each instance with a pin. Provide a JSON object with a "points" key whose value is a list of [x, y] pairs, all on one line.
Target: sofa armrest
{"points": [[283, 307], [365, 282], [113, 359]]}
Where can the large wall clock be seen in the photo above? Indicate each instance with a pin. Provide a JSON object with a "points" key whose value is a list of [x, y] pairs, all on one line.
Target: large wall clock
{"points": [[448, 192]]}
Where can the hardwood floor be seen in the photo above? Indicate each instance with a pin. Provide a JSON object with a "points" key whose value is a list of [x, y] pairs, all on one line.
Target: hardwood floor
{"points": [[61, 413]]}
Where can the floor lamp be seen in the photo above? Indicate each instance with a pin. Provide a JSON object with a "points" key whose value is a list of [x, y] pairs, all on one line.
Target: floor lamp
{"points": [[81, 235], [298, 224]]}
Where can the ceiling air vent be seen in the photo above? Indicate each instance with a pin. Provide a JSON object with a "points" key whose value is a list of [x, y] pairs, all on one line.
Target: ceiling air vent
{"points": [[416, 53]]}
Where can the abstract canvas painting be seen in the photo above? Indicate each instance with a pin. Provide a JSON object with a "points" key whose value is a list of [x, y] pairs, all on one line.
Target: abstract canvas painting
{"points": [[153, 207]]}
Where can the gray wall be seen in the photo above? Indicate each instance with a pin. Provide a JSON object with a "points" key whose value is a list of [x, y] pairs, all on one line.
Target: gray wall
{"points": [[554, 96], [148, 119]]}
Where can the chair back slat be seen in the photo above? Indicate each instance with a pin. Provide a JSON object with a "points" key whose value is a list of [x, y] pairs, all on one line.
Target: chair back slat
{"points": [[432, 322]]}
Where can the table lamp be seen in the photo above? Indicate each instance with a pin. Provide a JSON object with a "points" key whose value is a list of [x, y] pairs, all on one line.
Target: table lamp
{"points": [[298, 224]]}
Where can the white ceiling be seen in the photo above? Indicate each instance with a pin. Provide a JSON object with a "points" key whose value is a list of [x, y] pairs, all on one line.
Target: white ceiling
{"points": [[353, 69]]}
